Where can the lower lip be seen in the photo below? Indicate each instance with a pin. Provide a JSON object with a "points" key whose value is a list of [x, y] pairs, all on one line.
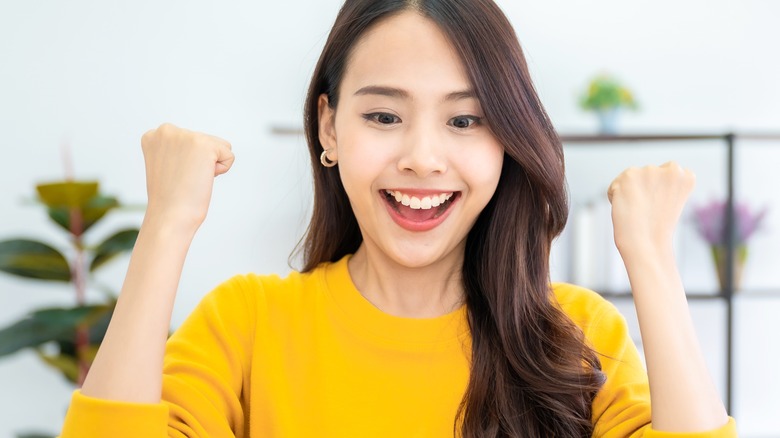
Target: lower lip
{"points": [[417, 226]]}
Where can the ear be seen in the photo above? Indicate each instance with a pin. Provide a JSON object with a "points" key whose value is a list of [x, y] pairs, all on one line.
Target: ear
{"points": [[327, 126]]}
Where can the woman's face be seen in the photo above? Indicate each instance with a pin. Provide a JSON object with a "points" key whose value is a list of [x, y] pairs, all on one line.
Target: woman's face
{"points": [[415, 155]]}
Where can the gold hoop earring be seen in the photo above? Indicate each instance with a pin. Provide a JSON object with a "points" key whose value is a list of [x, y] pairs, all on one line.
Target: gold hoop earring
{"points": [[327, 162]]}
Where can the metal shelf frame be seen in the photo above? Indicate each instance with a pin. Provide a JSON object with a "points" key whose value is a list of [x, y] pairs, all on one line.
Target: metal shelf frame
{"points": [[727, 294]]}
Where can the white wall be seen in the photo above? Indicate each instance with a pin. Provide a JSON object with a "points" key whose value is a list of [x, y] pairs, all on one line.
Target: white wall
{"points": [[95, 76]]}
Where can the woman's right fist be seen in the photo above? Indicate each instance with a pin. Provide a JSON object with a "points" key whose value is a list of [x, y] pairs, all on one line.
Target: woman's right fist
{"points": [[180, 169]]}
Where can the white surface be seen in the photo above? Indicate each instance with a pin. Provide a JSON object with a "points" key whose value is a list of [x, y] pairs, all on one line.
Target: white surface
{"points": [[96, 75]]}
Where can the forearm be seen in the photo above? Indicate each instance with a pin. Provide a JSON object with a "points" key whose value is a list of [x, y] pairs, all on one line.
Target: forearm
{"points": [[683, 395], [128, 365]]}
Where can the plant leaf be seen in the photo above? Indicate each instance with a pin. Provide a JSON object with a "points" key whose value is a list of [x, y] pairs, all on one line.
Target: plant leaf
{"points": [[91, 213], [33, 259], [118, 243], [67, 359], [55, 324], [67, 194], [68, 365], [98, 325]]}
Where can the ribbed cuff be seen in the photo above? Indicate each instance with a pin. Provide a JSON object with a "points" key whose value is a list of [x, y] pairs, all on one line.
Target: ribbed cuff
{"points": [[90, 417], [728, 430]]}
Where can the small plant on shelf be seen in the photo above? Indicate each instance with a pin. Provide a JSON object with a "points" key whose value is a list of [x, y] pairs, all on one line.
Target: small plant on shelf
{"points": [[710, 220], [606, 96]]}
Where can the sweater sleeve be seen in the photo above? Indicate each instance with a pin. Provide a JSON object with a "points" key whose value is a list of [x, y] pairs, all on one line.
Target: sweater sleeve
{"points": [[621, 409], [205, 369]]}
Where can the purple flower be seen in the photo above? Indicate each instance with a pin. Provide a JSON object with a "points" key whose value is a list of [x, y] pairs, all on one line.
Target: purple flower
{"points": [[710, 220]]}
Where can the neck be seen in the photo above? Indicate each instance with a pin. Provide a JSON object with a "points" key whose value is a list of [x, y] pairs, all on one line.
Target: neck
{"points": [[418, 292]]}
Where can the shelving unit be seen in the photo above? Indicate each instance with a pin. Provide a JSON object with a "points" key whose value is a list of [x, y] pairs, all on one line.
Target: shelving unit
{"points": [[727, 294], [729, 141]]}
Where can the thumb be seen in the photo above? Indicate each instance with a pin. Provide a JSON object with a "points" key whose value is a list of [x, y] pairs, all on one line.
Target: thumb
{"points": [[224, 161]]}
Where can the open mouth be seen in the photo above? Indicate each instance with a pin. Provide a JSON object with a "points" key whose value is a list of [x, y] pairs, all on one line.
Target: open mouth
{"points": [[420, 209]]}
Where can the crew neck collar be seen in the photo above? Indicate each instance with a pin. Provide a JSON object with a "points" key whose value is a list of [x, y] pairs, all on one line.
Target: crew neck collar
{"points": [[366, 318]]}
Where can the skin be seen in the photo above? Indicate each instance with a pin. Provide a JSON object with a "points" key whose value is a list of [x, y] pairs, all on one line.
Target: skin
{"points": [[180, 169], [408, 273], [646, 207], [403, 273]]}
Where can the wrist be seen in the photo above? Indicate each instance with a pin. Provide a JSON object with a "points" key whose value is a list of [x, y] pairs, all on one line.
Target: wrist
{"points": [[169, 227], [645, 251]]}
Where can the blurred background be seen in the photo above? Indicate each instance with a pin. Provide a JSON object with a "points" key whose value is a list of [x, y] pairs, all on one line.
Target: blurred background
{"points": [[91, 77]]}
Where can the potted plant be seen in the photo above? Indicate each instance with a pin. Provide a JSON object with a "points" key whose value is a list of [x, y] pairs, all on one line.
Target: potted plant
{"points": [[710, 220], [74, 333], [606, 96]]}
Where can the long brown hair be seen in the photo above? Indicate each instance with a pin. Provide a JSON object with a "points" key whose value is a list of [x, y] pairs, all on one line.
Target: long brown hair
{"points": [[532, 374]]}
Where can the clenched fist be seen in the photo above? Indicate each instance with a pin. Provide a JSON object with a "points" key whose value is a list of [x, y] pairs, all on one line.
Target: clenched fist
{"points": [[180, 169], [646, 205]]}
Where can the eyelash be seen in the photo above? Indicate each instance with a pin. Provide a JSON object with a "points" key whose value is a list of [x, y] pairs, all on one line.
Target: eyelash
{"points": [[373, 117], [475, 121]]}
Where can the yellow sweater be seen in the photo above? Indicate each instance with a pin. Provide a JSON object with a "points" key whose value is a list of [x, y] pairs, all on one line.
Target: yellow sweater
{"points": [[308, 356]]}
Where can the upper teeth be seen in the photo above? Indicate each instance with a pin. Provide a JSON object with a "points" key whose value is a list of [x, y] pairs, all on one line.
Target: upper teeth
{"points": [[419, 203]]}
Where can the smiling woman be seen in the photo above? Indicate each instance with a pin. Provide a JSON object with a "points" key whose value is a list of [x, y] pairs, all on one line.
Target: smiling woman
{"points": [[407, 122], [424, 307]]}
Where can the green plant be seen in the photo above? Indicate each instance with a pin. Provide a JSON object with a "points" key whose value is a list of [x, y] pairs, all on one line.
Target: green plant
{"points": [[74, 332], [605, 92]]}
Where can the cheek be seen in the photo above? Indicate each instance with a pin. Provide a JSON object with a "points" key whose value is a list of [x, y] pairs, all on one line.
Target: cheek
{"points": [[362, 158], [481, 167]]}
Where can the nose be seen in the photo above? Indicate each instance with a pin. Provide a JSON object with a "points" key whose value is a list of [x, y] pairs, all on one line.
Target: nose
{"points": [[423, 153]]}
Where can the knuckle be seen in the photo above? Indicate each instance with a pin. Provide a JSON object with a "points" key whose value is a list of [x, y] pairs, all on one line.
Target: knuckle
{"points": [[631, 172], [167, 129], [218, 141], [691, 177], [147, 137]]}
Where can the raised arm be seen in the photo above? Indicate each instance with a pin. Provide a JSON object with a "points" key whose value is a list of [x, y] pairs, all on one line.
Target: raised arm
{"points": [[180, 169], [646, 206]]}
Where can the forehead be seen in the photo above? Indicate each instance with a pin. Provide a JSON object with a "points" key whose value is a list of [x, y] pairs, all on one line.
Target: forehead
{"points": [[407, 51]]}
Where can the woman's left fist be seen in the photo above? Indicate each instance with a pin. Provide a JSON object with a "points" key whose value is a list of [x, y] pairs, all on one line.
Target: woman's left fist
{"points": [[646, 205]]}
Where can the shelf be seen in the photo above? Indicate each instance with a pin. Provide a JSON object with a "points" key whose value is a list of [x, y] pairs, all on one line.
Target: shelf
{"points": [[658, 137], [757, 294], [691, 296], [696, 296]]}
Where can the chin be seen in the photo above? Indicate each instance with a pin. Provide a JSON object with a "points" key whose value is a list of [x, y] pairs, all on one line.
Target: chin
{"points": [[417, 256]]}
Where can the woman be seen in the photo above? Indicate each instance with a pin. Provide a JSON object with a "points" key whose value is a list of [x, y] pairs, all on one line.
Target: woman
{"points": [[424, 307]]}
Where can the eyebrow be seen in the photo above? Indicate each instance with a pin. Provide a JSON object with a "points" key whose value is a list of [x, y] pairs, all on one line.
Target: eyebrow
{"points": [[398, 93]]}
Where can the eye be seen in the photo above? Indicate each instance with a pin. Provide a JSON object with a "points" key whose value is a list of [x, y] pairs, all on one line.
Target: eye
{"points": [[382, 118], [463, 122]]}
